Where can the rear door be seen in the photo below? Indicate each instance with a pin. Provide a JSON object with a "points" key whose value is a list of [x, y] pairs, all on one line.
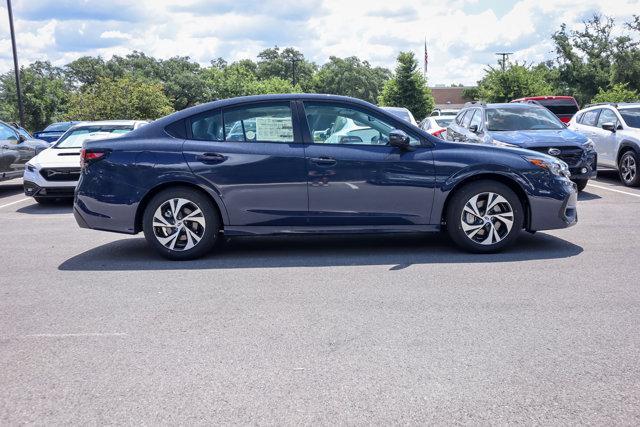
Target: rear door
{"points": [[356, 178], [254, 157]]}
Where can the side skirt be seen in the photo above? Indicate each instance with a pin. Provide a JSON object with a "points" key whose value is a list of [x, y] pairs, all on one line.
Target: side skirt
{"points": [[260, 230]]}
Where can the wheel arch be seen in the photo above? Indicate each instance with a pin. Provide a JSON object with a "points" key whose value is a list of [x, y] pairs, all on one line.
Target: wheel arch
{"points": [[625, 146], [217, 203], [503, 179]]}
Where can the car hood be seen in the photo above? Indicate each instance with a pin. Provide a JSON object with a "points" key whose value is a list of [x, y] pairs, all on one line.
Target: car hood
{"points": [[60, 157], [540, 138]]}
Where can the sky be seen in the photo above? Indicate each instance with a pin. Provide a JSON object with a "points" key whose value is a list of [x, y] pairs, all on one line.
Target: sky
{"points": [[462, 35]]}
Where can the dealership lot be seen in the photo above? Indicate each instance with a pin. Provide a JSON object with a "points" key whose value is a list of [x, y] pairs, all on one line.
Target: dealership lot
{"points": [[95, 328]]}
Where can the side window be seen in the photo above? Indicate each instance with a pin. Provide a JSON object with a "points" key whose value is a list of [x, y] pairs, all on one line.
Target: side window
{"points": [[335, 124], [607, 116], [207, 126], [467, 118], [6, 133], [589, 118], [259, 123], [477, 119]]}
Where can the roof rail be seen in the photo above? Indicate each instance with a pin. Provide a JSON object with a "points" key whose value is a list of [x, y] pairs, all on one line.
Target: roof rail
{"points": [[471, 103], [613, 104]]}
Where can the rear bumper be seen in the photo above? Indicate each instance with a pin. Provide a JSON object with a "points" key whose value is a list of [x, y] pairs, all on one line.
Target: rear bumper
{"points": [[549, 213], [90, 213]]}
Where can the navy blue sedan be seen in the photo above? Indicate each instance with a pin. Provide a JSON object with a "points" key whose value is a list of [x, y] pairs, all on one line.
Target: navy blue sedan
{"points": [[54, 131], [283, 164]]}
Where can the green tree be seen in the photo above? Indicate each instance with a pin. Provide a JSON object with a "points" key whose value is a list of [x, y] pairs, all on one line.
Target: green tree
{"points": [[45, 95], [240, 79], [408, 88], [618, 93], [516, 81], [122, 98], [288, 64], [351, 77], [86, 70], [184, 82], [597, 56]]}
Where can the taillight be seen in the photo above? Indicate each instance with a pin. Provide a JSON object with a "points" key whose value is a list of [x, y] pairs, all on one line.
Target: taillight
{"points": [[88, 157], [439, 133]]}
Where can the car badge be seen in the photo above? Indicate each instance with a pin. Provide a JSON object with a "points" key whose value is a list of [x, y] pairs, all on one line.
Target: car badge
{"points": [[554, 151]]}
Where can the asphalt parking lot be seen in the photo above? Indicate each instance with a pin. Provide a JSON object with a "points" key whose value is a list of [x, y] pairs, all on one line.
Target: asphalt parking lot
{"points": [[95, 329]]}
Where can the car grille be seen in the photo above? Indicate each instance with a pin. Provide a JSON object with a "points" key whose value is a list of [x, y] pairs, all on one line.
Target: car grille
{"points": [[570, 155], [60, 174]]}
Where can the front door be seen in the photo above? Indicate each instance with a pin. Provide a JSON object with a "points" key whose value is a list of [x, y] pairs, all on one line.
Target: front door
{"points": [[606, 140], [253, 156], [356, 178], [12, 155]]}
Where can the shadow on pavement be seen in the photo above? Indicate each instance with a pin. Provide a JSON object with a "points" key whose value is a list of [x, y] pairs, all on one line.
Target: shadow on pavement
{"points": [[51, 207], [10, 189], [585, 196], [274, 252]]}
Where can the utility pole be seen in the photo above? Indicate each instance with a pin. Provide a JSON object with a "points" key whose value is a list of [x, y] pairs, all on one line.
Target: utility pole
{"points": [[15, 63], [505, 58], [293, 70]]}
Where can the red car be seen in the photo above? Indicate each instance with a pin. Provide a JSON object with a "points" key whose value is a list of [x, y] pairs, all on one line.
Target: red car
{"points": [[562, 106]]}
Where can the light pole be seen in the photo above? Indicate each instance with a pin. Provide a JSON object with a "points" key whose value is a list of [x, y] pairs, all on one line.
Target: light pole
{"points": [[505, 57], [15, 63]]}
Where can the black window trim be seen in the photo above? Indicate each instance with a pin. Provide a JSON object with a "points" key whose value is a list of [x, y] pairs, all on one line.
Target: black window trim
{"points": [[385, 117]]}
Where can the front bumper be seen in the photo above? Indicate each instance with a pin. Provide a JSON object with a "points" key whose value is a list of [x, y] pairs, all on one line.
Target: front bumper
{"points": [[587, 168], [559, 211], [34, 190]]}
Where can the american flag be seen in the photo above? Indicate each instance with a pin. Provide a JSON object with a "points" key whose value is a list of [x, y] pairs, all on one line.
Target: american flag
{"points": [[426, 56]]}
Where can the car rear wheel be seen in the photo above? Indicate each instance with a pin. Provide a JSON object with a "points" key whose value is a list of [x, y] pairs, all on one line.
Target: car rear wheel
{"points": [[628, 169], [484, 217], [181, 224]]}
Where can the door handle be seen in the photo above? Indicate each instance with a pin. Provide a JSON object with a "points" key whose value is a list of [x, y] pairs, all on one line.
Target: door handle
{"points": [[211, 158], [6, 147], [324, 161]]}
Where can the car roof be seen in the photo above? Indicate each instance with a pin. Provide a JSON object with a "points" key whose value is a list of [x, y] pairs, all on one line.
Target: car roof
{"points": [[540, 98], [108, 122]]}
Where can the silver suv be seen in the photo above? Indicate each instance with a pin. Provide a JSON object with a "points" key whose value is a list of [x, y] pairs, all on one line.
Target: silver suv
{"points": [[615, 132]]}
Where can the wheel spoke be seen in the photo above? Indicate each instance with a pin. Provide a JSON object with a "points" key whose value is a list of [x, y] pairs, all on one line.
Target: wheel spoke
{"points": [[192, 238], [505, 218], [472, 206], [494, 199], [170, 241], [195, 216], [160, 221]]}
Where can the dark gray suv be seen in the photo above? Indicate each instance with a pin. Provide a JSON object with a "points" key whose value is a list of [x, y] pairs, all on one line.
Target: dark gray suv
{"points": [[15, 151]]}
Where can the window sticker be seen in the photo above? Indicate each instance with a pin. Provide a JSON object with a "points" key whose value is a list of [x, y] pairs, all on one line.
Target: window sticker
{"points": [[278, 129]]}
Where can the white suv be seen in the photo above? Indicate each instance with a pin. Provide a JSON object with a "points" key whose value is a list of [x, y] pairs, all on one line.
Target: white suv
{"points": [[54, 172], [615, 131]]}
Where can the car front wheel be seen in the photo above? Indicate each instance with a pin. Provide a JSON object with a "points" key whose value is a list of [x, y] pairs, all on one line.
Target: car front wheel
{"points": [[581, 184], [181, 224], [484, 217], [628, 168]]}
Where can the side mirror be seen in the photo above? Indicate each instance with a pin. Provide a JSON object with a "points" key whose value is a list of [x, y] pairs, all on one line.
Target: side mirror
{"points": [[399, 138], [611, 127], [21, 138], [473, 128]]}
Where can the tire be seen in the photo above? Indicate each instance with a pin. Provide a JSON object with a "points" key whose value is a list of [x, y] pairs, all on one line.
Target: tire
{"points": [[581, 183], [629, 168], [181, 238], [484, 233]]}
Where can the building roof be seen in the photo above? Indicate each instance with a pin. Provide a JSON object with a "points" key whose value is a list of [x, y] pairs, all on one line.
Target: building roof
{"points": [[449, 97]]}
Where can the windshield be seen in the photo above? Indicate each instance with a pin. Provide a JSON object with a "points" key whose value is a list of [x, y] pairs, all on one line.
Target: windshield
{"points": [[444, 121], [76, 137], [560, 106], [512, 119], [58, 127], [631, 117]]}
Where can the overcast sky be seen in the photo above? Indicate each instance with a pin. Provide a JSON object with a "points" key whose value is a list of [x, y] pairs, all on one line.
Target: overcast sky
{"points": [[462, 35]]}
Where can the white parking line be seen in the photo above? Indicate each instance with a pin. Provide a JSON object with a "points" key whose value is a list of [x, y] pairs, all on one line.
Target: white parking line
{"points": [[90, 334], [13, 203], [606, 188]]}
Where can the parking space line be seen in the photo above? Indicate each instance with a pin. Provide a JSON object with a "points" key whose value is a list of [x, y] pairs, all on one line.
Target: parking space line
{"points": [[610, 189], [89, 334], [13, 203]]}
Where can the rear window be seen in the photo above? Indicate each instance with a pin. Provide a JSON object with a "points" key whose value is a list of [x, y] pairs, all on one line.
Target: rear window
{"points": [[443, 121], [58, 127], [76, 137], [560, 106]]}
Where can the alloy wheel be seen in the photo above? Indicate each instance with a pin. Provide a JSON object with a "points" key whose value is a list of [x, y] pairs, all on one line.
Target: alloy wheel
{"points": [[487, 218], [178, 224], [628, 168]]}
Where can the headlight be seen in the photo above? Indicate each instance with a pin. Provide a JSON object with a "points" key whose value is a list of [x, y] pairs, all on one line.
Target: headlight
{"points": [[555, 166], [589, 145], [30, 167]]}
